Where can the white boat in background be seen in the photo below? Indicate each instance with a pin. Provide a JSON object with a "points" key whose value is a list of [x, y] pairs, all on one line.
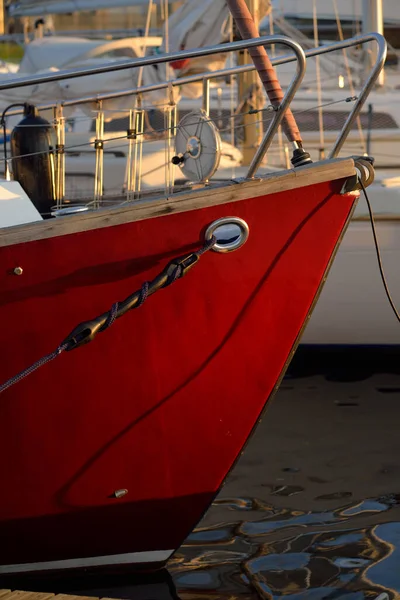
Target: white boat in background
{"points": [[353, 309], [39, 8], [54, 53], [193, 25], [348, 11]]}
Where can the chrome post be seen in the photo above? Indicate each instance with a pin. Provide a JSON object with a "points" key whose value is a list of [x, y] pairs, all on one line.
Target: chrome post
{"points": [[130, 162], [287, 157], [135, 152], [136, 121], [281, 143], [220, 111], [206, 95], [7, 170], [59, 125], [174, 122], [167, 148], [139, 150], [170, 118], [99, 150]]}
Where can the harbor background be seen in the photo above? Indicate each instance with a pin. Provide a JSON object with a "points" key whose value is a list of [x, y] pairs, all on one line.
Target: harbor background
{"points": [[311, 509]]}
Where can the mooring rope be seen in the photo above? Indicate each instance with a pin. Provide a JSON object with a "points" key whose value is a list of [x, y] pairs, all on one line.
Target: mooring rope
{"points": [[85, 332]]}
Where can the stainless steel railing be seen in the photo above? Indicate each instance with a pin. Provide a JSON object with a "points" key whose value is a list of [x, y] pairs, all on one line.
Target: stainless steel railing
{"points": [[150, 60], [206, 77], [296, 55]]}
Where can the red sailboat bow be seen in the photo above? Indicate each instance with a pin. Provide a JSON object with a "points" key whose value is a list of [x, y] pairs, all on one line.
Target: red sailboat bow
{"points": [[111, 451]]}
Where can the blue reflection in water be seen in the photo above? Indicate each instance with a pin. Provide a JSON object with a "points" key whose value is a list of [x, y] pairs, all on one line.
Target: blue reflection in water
{"points": [[386, 572], [341, 540], [365, 506], [262, 527], [318, 562]]}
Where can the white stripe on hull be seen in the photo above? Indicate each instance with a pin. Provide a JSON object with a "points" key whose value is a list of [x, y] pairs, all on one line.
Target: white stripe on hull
{"points": [[154, 556]]}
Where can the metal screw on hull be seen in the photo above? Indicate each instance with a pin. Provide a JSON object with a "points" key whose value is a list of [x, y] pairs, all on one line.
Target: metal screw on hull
{"points": [[120, 493], [18, 271]]}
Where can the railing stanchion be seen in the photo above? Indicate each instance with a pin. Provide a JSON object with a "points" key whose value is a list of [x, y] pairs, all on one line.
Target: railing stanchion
{"points": [[59, 125], [99, 150]]}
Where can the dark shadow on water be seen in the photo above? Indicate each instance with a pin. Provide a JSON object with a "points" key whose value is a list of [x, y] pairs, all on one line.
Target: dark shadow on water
{"points": [[344, 363]]}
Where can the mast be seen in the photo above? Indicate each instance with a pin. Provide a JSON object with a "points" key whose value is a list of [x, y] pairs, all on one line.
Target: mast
{"points": [[248, 30], [372, 21], [2, 24], [249, 85]]}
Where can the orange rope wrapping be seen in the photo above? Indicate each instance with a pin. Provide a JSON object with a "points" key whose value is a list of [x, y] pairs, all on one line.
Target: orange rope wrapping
{"points": [[248, 30]]}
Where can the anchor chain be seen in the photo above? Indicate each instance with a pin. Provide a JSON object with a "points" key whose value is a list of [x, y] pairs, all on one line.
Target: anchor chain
{"points": [[86, 331]]}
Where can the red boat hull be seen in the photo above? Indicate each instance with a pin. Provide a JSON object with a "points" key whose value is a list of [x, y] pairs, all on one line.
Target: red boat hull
{"points": [[162, 403]]}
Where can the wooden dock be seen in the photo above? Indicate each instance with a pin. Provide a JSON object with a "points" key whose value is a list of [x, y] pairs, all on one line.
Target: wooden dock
{"points": [[19, 595]]}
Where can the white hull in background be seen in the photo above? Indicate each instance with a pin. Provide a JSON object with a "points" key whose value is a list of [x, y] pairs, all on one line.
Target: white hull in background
{"points": [[353, 308]]}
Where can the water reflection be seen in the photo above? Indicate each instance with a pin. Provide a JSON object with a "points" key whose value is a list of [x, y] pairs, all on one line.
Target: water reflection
{"points": [[353, 562], [321, 519]]}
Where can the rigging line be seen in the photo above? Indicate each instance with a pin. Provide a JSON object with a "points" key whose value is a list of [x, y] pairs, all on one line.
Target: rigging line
{"points": [[210, 120], [111, 139], [305, 110], [85, 144], [267, 109], [75, 147], [166, 129], [378, 253], [125, 111]]}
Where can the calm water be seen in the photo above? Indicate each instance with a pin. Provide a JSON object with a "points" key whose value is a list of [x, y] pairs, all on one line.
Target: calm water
{"points": [[311, 510]]}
